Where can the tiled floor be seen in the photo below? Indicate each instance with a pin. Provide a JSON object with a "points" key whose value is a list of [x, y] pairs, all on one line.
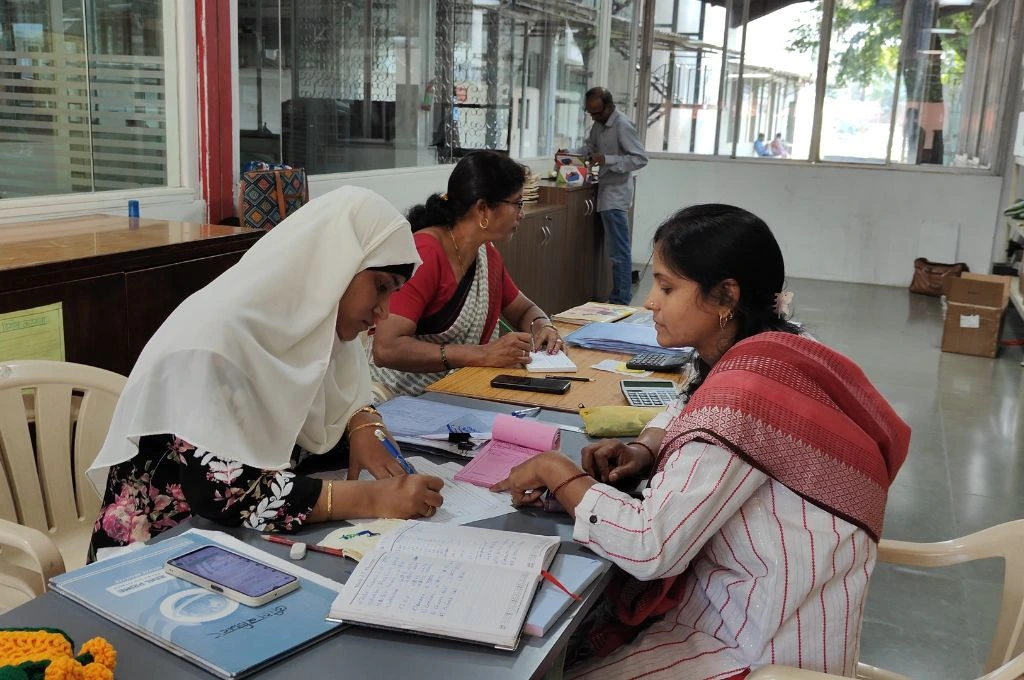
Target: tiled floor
{"points": [[965, 470]]}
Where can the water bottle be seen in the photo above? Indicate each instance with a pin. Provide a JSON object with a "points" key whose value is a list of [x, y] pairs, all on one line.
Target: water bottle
{"points": [[133, 214]]}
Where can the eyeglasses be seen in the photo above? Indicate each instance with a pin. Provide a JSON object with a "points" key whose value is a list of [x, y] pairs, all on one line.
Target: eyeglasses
{"points": [[519, 204]]}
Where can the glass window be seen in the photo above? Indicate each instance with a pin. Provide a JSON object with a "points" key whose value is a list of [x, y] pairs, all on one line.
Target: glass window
{"points": [[553, 55], [369, 84], [777, 110], [86, 96], [916, 82], [696, 108]]}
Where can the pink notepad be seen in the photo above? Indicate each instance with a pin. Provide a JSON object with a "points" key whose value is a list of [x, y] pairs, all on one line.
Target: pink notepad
{"points": [[513, 440]]}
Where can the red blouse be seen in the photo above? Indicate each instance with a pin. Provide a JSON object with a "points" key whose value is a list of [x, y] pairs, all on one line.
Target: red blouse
{"points": [[434, 284]]}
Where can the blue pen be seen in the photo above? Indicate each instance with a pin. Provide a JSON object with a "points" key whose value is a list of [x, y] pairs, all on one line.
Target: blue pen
{"points": [[525, 412], [393, 450]]}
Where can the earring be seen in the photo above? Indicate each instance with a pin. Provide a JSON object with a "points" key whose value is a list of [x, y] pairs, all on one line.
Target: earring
{"points": [[724, 319], [484, 222]]}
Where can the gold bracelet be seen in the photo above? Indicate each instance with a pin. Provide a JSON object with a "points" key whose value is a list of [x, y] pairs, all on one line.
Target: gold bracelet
{"points": [[330, 499], [359, 427], [365, 409]]}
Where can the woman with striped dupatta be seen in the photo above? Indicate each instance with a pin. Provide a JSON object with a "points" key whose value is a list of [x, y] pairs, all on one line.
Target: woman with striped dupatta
{"points": [[754, 538]]}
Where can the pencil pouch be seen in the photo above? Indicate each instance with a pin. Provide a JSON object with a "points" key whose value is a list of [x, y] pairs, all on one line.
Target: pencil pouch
{"points": [[616, 421]]}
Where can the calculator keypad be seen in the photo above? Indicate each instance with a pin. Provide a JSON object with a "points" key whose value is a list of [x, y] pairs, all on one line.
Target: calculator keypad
{"points": [[650, 396]]}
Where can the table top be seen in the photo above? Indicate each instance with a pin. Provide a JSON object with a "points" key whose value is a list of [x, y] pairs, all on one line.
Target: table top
{"points": [[361, 652], [72, 238], [603, 390]]}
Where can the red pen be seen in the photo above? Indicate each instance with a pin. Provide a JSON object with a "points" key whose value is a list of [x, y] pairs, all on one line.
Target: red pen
{"points": [[337, 552]]}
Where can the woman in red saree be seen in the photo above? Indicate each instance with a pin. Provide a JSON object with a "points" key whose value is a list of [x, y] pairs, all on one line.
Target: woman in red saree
{"points": [[446, 316], [756, 534]]}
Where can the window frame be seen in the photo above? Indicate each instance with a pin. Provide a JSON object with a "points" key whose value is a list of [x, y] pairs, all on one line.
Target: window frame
{"points": [[1002, 129], [182, 191]]}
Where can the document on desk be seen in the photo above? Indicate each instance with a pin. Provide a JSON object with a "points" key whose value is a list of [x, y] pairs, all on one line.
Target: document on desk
{"points": [[415, 417], [465, 583], [542, 362], [463, 502], [515, 441]]}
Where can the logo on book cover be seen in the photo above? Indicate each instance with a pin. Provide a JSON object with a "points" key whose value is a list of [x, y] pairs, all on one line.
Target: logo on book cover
{"points": [[196, 605]]}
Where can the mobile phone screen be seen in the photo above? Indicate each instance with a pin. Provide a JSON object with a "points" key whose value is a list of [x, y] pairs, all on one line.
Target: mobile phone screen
{"points": [[549, 385], [231, 570]]}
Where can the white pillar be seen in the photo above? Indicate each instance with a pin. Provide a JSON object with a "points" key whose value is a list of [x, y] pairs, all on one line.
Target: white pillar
{"points": [[599, 67]]}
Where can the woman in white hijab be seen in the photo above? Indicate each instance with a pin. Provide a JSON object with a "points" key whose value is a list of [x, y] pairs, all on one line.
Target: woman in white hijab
{"points": [[256, 374]]}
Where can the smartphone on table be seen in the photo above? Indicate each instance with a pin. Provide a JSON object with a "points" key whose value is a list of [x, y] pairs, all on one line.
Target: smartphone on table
{"points": [[234, 576], [522, 382]]}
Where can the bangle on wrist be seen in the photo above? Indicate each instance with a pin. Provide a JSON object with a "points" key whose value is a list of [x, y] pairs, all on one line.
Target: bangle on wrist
{"points": [[353, 430], [538, 318], [444, 357], [554, 492], [330, 499], [640, 443]]}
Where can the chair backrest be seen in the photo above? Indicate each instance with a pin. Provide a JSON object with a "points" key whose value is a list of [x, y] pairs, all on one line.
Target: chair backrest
{"points": [[54, 417], [1003, 540]]}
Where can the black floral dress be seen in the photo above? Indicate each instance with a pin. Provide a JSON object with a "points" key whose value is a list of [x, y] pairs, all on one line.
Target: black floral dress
{"points": [[170, 480]]}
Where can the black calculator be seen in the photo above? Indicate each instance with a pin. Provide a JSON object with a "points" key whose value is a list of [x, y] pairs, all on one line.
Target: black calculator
{"points": [[659, 361]]}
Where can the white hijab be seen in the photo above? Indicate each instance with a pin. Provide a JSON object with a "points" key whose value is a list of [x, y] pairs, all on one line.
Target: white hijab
{"points": [[251, 364]]}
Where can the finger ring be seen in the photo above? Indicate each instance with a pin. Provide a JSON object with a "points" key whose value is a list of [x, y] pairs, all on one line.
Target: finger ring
{"points": [[430, 513]]}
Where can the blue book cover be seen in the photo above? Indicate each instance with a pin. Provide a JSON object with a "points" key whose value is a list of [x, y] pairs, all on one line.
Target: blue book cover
{"points": [[576, 573], [226, 638]]}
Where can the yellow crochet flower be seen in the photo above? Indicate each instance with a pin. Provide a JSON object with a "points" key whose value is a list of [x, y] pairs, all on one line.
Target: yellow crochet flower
{"points": [[63, 668], [17, 647], [46, 655], [95, 671], [102, 652]]}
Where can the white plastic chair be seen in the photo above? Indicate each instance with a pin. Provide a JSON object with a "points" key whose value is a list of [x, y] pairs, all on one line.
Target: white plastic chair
{"points": [[1006, 655], [54, 417]]}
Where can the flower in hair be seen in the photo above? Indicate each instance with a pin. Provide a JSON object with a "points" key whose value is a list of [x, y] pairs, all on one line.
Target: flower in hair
{"points": [[444, 196], [783, 301]]}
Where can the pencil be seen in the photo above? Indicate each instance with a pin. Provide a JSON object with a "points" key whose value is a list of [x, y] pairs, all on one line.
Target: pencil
{"points": [[337, 552]]}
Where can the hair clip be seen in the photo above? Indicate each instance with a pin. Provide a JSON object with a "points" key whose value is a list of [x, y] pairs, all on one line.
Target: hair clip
{"points": [[783, 300], [444, 196]]}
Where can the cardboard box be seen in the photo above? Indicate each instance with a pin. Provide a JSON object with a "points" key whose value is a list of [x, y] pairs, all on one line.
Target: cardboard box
{"points": [[974, 314]]}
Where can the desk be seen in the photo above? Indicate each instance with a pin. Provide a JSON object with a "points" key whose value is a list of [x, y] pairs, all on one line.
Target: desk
{"points": [[117, 280], [475, 382], [356, 653]]}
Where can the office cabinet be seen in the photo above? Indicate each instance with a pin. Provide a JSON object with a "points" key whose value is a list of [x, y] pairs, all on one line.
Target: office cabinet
{"points": [[556, 256]]}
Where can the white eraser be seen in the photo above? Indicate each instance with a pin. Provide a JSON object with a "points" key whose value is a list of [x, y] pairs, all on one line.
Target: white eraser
{"points": [[298, 551]]}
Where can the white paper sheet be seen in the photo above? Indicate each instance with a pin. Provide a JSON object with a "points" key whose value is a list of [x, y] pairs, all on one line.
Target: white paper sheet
{"points": [[463, 502]]}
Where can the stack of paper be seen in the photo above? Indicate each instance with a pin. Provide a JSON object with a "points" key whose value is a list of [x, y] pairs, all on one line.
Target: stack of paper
{"points": [[618, 337], [594, 312], [542, 362]]}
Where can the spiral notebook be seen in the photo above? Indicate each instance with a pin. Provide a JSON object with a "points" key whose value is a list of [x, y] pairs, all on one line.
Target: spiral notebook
{"points": [[513, 441]]}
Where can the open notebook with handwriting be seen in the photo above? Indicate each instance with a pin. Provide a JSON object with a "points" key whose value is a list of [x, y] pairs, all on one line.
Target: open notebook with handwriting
{"points": [[464, 583]]}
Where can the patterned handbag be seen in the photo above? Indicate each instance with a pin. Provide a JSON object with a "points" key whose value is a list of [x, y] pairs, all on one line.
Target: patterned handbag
{"points": [[267, 194], [932, 278]]}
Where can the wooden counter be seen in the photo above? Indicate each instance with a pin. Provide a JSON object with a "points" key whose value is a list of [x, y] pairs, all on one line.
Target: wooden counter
{"points": [[117, 279], [82, 237], [603, 390]]}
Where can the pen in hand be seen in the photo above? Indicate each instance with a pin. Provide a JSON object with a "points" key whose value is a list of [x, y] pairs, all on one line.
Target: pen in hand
{"points": [[395, 453]]}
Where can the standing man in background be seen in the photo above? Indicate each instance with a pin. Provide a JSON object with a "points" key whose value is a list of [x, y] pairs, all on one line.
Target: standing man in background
{"points": [[614, 145]]}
